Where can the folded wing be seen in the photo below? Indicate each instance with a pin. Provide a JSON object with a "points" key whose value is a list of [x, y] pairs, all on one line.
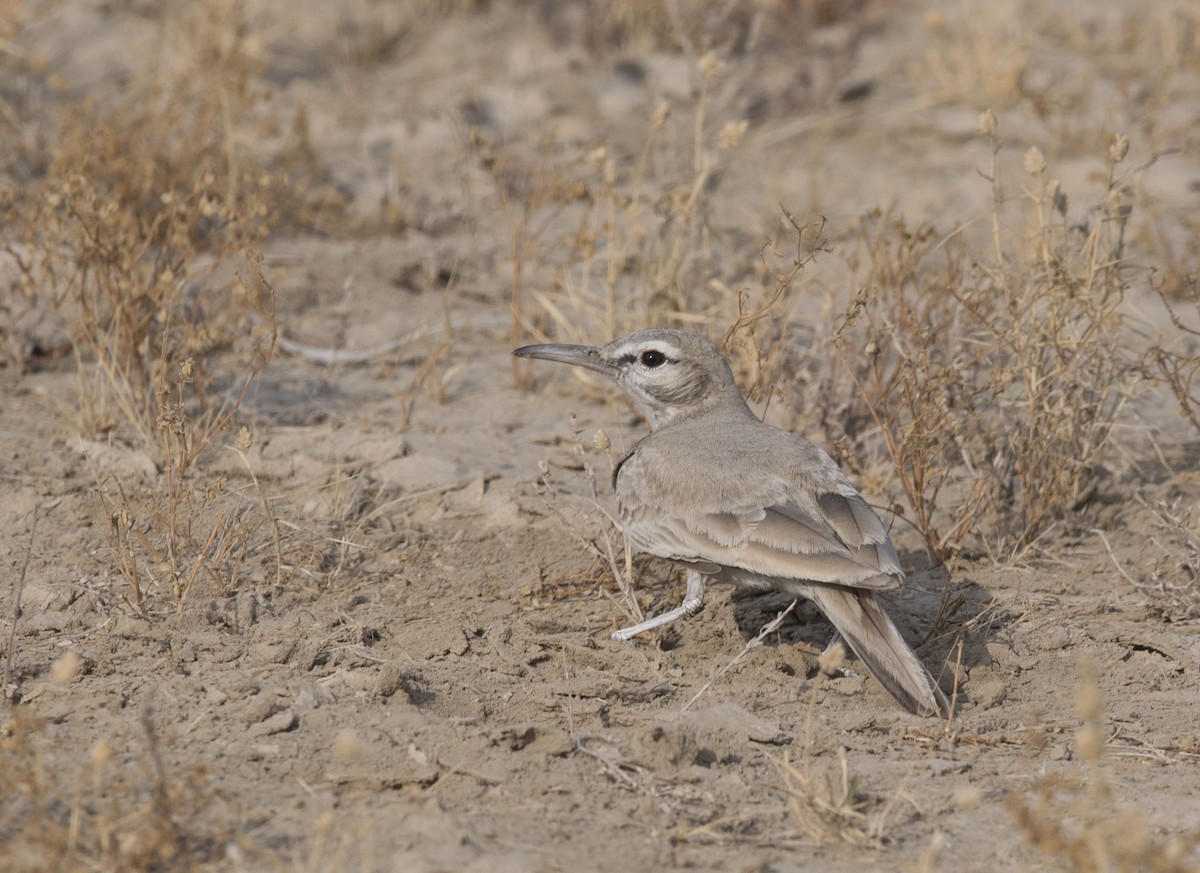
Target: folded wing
{"points": [[828, 537]]}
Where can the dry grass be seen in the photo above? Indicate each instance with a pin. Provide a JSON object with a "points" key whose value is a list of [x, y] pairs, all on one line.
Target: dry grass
{"points": [[1169, 579], [986, 378], [139, 235], [826, 801], [1175, 361], [1075, 819], [597, 532], [1056, 60], [653, 231], [603, 245], [730, 29], [829, 806], [975, 57], [136, 236], [989, 379], [369, 33], [120, 809], [145, 208], [981, 377], [125, 806]]}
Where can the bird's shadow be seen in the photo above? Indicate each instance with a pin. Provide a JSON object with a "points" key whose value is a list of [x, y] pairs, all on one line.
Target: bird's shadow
{"points": [[935, 614]]}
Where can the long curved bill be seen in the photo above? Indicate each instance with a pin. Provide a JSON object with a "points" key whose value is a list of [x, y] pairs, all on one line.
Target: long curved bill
{"points": [[579, 356]]}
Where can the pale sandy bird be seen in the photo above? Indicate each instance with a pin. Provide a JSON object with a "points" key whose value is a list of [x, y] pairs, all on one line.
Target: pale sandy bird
{"points": [[736, 500]]}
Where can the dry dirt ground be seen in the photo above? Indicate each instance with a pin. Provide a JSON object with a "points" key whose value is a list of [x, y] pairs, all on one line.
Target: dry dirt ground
{"points": [[421, 677]]}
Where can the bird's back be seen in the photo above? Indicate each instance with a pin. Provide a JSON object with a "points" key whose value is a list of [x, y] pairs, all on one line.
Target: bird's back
{"points": [[728, 490]]}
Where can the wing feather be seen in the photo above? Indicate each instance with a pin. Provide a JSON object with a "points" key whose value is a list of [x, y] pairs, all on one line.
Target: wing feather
{"points": [[811, 527], [779, 542]]}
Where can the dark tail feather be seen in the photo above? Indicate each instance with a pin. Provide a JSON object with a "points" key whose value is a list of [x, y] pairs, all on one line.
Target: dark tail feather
{"points": [[864, 625]]}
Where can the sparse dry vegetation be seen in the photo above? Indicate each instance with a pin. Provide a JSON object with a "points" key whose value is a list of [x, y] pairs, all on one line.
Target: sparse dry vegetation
{"points": [[993, 380], [140, 238], [218, 565], [1175, 361], [1167, 571], [1077, 818], [828, 806], [120, 809]]}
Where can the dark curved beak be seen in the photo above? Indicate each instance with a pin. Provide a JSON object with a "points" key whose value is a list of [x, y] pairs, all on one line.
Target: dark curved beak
{"points": [[579, 356]]}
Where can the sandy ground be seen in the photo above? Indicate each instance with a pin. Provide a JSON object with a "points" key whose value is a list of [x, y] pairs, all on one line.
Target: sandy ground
{"points": [[428, 683]]}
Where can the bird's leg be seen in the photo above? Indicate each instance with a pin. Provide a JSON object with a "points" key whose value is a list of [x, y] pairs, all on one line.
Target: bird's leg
{"points": [[693, 600]]}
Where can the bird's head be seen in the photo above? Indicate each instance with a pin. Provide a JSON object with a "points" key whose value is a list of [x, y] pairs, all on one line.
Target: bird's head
{"points": [[669, 374]]}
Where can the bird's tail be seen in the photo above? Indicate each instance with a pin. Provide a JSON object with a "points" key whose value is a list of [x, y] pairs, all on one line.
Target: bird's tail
{"points": [[863, 624]]}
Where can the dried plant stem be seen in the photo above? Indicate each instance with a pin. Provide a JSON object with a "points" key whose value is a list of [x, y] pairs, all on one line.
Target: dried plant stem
{"points": [[12, 632], [1113, 557], [769, 628]]}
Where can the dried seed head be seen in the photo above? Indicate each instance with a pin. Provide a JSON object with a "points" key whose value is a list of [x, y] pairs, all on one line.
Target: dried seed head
{"points": [[1035, 164], [1116, 204], [731, 134], [1089, 745], [987, 123], [214, 489], [967, 797], [1118, 148], [832, 658], [1088, 702], [660, 116], [711, 66], [101, 753], [67, 667], [243, 442], [347, 746], [600, 441]]}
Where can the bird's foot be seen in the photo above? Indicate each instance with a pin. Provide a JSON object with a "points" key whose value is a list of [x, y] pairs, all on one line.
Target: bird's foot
{"points": [[684, 610], [693, 601]]}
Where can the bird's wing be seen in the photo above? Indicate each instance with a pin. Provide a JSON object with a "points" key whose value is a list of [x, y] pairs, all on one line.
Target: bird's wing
{"points": [[831, 536]]}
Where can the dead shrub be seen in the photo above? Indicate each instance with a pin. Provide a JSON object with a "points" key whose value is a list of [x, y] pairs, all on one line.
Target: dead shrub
{"points": [[992, 384]]}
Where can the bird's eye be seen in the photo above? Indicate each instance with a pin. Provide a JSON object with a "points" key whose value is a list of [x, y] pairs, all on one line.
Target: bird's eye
{"points": [[653, 358]]}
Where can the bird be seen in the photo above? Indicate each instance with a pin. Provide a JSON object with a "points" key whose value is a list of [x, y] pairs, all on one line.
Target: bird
{"points": [[732, 499]]}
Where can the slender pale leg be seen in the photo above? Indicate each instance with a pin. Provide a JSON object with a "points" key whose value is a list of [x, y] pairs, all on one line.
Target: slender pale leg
{"points": [[693, 599]]}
